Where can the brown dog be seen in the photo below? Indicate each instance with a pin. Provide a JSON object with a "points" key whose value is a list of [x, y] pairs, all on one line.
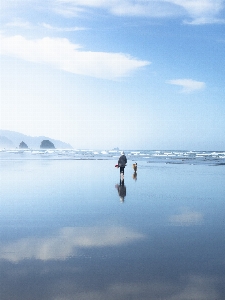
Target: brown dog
{"points": [[135, 167]]}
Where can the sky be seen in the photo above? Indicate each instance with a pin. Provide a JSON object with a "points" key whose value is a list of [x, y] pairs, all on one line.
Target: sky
{"points": [[100, 74]]}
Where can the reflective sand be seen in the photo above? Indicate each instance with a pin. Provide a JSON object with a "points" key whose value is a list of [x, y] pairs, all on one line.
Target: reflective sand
{"points": [[67, 234]]}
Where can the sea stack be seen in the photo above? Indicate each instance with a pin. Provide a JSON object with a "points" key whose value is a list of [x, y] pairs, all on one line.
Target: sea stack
{"points": [[46, 144], [23, 145]]}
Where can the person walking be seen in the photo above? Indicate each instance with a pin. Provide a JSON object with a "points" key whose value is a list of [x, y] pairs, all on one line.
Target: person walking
{"points": [[121, 164]]}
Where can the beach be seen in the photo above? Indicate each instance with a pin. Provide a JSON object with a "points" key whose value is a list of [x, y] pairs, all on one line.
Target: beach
{"points": [[67, 234]]}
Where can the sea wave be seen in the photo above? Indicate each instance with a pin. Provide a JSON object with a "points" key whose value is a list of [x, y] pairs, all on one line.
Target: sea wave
{"points": [[149, 156]]}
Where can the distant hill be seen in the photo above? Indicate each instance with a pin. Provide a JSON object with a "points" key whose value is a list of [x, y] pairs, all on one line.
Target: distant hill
{"points": [[11, 140], [6, 143]]}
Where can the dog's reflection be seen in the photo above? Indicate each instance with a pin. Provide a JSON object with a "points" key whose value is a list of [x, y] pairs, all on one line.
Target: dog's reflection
{"points": [[135, 171]]}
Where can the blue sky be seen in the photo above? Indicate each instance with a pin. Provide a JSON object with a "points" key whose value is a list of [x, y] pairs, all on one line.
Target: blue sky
{"points": [[133, 74]]}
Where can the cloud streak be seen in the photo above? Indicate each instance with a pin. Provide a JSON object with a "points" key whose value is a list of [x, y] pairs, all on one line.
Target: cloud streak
{"points": [[64, 55], [196, 287], [187, 217], [61, 29], [201, 11], [188, 85], [195, 12], [198, 11], [19, 23]]}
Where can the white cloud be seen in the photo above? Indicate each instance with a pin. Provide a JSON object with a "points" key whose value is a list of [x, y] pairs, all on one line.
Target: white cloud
{"points": [[63, 55], [187, 217], [19, 23], [204, 20], [153, 8], [200, 11], [192, 11], [188, 85], [61, 29], [199, 7], [67, 242]]}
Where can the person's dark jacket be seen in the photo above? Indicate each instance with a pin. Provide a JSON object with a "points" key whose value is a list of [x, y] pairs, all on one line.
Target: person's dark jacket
{"points": [[122, 161]]}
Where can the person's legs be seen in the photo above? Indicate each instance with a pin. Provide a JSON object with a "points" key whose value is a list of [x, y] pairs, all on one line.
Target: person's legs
{"points": [[121, 175], [122, 170]]}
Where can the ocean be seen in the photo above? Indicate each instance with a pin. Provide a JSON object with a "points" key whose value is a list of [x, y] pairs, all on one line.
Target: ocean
{"points": [[150, 156], [67, 233]]}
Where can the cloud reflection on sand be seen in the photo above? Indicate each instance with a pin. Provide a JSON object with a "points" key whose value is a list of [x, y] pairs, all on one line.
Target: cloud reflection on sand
{"points": [[66, 243], [187, 217], [196, 287]]}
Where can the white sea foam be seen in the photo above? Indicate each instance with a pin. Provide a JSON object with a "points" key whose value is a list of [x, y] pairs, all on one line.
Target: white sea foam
{"points": [[150, 156]]}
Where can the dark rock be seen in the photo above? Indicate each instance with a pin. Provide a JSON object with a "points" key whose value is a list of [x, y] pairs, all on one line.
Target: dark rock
{"points": [[23, 145], [46, 144]]}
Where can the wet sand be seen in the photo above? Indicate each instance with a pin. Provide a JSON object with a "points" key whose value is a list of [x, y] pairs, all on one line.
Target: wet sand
{"points": [[66, 234]]}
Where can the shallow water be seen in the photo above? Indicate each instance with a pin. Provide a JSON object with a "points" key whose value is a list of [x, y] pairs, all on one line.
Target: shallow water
{"points": [[67, 234]]}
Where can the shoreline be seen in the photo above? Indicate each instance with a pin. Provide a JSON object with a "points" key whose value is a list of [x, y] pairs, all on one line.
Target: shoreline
{"points": [[215, 158]]}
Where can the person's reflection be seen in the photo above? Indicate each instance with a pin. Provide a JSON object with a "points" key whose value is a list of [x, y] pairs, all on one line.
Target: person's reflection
{"points": [[122, 190]]}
